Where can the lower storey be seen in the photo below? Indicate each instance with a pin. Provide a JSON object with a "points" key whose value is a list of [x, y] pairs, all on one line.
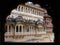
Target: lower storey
{"points": [[30, 38]]}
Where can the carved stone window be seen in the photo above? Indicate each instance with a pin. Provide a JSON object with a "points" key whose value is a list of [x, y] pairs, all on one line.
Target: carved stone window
{"points": [[9, 28], [22, 9], [19, 8], [20, 28]]}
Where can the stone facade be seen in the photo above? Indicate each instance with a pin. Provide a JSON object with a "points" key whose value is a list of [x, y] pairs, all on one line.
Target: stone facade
{"points": [[49, 25], [26, 21]]}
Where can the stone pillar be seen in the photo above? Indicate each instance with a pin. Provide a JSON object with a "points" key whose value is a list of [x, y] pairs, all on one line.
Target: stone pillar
{"points": [[11, 29], [36, 12], [18, 28], [30, 11], [22, 29], [17, 7], [8, 30], [29, 29], [23, 9], [20, 8], [15, 29]]}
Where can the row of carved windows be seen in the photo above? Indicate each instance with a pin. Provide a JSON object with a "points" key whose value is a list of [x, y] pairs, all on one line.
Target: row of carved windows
{"points": [[19, 29], [25, 29], [28, 10], [8, 28]]}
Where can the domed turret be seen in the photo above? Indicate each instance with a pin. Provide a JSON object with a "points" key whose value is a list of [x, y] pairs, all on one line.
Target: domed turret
{"points": [[37, 5], [28, 3]]}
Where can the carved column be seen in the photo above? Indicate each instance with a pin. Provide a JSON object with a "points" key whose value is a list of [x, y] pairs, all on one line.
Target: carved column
{"points": [[22, 29], [19, 28], [15, 29]]}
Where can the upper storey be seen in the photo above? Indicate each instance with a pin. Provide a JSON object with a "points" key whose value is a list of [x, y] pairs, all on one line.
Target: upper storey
{"points": [[28, 11], [31, 8]]}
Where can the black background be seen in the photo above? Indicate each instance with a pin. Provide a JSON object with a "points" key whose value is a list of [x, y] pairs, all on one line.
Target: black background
{"points": [[51, 5]]}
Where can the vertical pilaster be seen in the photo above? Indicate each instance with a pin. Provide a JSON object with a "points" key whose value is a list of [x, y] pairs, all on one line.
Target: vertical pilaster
{"points": [[26, 9], [15, 29], [22, 29], [20, 8], [23, 9], [19, 28], [30, 10], [11, 29], [29, 29]]}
